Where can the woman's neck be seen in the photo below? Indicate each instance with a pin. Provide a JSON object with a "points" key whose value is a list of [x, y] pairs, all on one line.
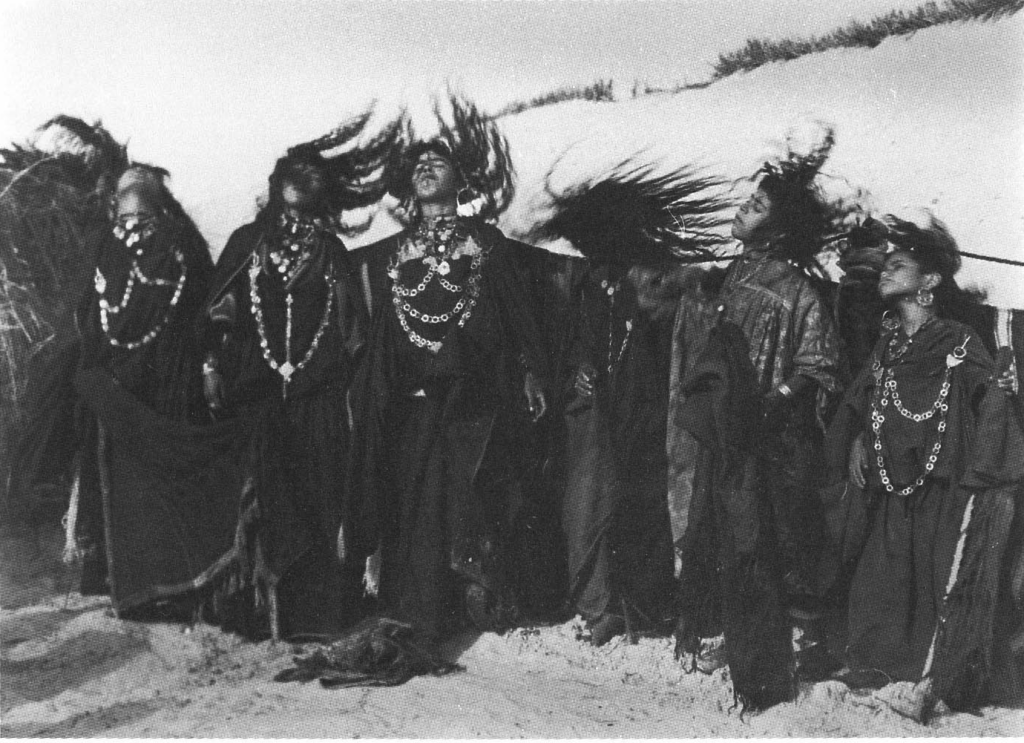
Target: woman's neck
{"points": [[757, 247], [297, 213], [912, 315]]}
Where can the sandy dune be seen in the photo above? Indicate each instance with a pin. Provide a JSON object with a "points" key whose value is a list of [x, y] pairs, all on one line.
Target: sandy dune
{"points": [[69, 668]]}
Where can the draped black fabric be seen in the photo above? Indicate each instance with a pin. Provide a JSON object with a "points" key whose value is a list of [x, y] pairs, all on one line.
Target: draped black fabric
{"points": [[615, 509], [46, 447], [42, 456], [731, 579], [170, 494], [432, 487]]}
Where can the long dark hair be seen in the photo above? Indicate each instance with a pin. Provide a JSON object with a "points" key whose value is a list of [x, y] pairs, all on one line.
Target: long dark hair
{"points": [[635, 214], [289, 168], [800, 217], [472, 143]]}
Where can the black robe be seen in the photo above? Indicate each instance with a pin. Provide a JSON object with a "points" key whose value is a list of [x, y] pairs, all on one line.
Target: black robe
{"points": [[297, 435], [130, 511], [615, 512], [904, 605], [429, 464], [731, 577]]}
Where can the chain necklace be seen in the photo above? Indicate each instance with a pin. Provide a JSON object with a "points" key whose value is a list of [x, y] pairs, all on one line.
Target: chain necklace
{"points": [[134, 229], [131, 232], [296, 239], [285, 369], [888, 389], [432, 271], [437, 240], [613, 360]]}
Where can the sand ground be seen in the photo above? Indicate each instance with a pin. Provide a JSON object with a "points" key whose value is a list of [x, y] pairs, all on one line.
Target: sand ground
{"points": [[69, 668]]}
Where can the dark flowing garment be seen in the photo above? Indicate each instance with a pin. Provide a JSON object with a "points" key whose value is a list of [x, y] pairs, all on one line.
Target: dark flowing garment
{"points": [[45, 447], [756, 536], [297, 434], [790, 332], [694, 318], [146, 359], [615, 511], [166, 487], [430, 428], [536, 549], [925, 595], [731, 579]]}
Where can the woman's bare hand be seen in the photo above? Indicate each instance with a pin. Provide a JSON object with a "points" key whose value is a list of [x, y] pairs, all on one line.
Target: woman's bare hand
{"points": [[859, 463]]}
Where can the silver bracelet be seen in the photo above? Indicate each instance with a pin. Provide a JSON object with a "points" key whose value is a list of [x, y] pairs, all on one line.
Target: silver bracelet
{"points": [[785, 390]]}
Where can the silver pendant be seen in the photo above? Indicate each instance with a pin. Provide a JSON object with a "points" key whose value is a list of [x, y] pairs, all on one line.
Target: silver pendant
{"points": [[443, 268], [286, 370]]}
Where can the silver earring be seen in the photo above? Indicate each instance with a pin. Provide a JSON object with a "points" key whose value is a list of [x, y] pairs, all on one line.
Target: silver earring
{"points": [[925, 298]]}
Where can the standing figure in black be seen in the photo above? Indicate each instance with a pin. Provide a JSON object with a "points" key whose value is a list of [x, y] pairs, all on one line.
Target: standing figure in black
{"points": [[284, 325], [453, 352], [615, 511], [139, 365], [633, 226]]}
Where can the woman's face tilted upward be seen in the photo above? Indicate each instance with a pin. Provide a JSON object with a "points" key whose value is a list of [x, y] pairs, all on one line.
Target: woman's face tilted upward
{"points": [[903, 276], [434, 179], [753, 220]]}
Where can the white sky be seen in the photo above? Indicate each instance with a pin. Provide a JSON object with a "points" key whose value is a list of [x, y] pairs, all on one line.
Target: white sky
{"points": [[216, 90]]}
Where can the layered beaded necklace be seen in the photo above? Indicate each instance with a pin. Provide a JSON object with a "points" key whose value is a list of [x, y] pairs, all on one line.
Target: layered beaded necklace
{"points": [[131, 232], [296, 238], [295, 249], [886, 389], [437, 243]]}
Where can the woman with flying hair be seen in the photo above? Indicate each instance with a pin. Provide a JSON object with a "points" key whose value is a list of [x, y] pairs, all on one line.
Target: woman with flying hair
{"points": [[453, 356], [753, 547], [933, 450], [283, 327]]}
